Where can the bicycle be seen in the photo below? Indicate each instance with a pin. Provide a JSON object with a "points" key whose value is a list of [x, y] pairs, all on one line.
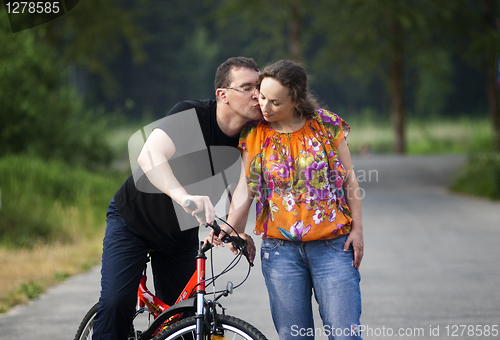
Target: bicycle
{"points": [[192, 316]]}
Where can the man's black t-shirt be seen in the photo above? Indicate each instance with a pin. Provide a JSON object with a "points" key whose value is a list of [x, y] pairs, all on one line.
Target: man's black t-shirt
{"points": [[151, 213]]}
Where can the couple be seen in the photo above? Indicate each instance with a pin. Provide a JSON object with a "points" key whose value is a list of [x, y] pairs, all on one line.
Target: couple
{"points": [[296, 165]]}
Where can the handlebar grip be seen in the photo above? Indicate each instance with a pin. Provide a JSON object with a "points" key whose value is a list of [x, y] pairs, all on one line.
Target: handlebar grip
{"points": [[192, 206], [237, 242], [189, 204]]}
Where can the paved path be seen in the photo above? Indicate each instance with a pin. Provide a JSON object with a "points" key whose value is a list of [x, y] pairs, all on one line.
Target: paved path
{"points": [[431, 260]]}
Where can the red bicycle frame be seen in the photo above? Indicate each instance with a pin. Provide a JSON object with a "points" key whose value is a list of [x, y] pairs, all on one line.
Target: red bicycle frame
{"points": [[196, 285], [155, 305]]}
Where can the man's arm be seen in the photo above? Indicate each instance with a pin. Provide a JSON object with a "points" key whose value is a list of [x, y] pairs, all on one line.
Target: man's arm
{"points": [[153, 160]]}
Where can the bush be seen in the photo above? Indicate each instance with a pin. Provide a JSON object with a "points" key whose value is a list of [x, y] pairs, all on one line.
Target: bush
{"points": [[51, 201], [40, 112], [480, 176]]}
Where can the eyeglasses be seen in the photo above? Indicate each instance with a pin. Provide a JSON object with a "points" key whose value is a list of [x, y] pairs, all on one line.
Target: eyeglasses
{"points": [[243, 89]]}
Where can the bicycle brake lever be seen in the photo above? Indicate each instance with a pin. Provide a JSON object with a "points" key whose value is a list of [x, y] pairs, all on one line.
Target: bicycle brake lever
{"points": [[237, 242], [217, 229], [240, 244]]}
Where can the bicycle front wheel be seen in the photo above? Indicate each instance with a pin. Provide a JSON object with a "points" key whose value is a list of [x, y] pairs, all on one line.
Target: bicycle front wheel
{"points": [[86, 328], [228, 327]]}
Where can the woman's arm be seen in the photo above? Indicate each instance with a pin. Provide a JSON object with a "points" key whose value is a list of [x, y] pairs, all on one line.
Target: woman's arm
{"points": [[241, 202], [353, 200]]}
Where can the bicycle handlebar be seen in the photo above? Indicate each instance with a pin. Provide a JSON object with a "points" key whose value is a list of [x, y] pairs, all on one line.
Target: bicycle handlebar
{"points": [[237, 242]]}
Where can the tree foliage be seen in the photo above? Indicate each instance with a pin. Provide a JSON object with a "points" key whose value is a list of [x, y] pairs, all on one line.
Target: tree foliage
{"points": [[395, 41], [398, 56], [362, 39], [93, 34], [40, 114]]}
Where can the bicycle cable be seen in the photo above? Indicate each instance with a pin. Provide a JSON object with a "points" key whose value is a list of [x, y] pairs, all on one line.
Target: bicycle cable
{"points": [[241, 253], [229, 267]]}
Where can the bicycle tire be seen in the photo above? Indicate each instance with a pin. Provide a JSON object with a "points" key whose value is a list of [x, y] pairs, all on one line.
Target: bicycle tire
{"points": [[86, 328], [186, 329]]}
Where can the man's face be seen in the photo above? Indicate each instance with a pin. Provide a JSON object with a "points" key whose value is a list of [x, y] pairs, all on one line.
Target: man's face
{"points": [[242, 94]]}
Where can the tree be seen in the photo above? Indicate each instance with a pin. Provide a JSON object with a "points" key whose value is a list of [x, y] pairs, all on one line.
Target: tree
{"points": [[93, 34], [274, 29], [385, 39], [38, 113], [181, 58], [475, 35], [489, 42], [365, 39]]}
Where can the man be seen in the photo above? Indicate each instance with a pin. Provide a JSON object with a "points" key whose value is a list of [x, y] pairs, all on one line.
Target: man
{"points": [[139, 219]]}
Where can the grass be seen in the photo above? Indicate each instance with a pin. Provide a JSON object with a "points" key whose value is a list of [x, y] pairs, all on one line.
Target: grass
{"points": [[480, 176], [26, 273], [50, 201], [435, 136], [52, 220]]}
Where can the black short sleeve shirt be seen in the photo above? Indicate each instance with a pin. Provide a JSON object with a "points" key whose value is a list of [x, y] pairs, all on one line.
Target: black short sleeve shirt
{"points": [[200, 164]]}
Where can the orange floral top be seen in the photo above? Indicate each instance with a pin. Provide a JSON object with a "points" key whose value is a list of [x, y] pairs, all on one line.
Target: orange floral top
{"points": [[297, 178]]}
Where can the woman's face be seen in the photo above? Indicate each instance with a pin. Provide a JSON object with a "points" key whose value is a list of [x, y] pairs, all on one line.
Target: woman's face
{"points": [[275, 101]]}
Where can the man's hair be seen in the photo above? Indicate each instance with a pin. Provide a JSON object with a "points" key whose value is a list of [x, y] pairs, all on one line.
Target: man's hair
{"points": [[223, 74]]}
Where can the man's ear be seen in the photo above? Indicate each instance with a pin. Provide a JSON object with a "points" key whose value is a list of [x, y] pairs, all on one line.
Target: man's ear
{"points": [[221, 94]]}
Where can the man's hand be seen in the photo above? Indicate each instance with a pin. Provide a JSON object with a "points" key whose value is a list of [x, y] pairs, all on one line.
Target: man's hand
{"points": [[200, 207]]}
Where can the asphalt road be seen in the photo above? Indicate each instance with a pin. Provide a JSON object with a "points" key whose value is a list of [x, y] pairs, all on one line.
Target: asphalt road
{"points": [[430, 265]]}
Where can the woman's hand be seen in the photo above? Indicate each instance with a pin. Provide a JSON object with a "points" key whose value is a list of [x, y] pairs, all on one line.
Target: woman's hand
{"points": [[250, 246], [216, 241], [356, 239], [211, 238]]}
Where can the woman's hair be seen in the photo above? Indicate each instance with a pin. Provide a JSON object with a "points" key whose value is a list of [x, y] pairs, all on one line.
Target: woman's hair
{"points": [[292, 75]]}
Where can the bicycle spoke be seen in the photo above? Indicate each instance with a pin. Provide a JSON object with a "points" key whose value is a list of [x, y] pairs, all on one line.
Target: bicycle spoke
{"points": [[228, 328]]}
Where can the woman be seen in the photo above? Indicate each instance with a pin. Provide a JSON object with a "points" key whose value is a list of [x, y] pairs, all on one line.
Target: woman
{"points": [[298, 167]]}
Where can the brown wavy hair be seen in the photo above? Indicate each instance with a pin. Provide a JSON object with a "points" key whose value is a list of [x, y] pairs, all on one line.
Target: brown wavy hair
{"points": [[292, 75]]}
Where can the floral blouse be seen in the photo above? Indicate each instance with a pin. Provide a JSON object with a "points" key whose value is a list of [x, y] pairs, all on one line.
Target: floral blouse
{"points": [[297, 178]]}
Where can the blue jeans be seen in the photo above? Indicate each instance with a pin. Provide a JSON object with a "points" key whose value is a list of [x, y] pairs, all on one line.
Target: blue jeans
{"points": [[293, 270], [123, 259]]}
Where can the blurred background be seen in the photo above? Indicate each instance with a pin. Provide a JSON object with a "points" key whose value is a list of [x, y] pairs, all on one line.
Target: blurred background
{"points": [[410, 77]]}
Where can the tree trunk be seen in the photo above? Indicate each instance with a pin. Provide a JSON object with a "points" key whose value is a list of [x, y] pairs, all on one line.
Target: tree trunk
{"points": [[294, 32], [396, 87], [489, 26]]}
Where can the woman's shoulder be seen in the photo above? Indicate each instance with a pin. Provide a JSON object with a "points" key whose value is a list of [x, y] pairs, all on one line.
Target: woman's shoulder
{"points": [[327, 117], [253, 127], [332, 122], [252, 134]]}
